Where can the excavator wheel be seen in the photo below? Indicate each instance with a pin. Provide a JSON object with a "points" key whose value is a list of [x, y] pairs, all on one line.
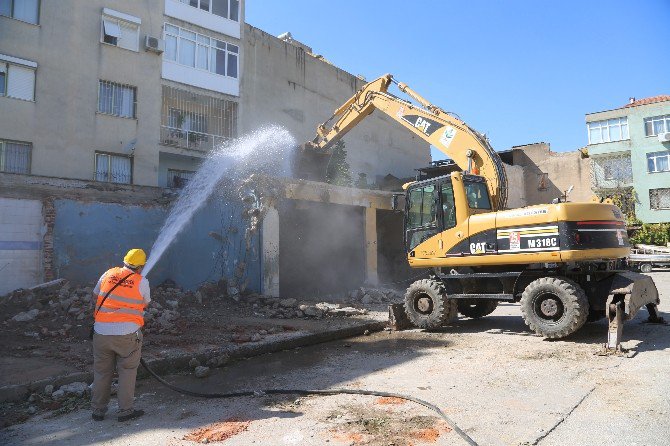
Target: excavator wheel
{"points": [[554, 307], [427, 304], [476, 308]]}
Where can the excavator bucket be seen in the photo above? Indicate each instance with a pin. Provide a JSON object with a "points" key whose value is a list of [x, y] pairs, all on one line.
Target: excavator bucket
{"points": [[630, 292]]}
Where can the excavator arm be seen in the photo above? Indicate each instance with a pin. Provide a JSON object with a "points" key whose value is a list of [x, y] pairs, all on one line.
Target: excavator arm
{"points": [[469, 149]]}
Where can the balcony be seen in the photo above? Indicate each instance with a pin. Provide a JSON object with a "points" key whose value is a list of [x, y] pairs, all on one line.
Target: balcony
{"points": [[611, 171], [188, 139], [195, 121]]}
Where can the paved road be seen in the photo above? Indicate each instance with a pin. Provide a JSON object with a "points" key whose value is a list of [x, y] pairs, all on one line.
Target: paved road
{"points": [[501, 384]]}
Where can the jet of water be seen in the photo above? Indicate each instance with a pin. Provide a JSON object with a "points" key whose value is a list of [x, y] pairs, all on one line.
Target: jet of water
{"points": [[267, 150]]}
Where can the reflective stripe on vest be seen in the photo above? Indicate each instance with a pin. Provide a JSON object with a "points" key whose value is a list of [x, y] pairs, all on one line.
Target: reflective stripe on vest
{"points": [[125, 303]]}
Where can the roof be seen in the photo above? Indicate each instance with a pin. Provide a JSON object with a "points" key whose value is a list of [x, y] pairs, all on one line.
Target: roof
{"points": [[651, 100]]}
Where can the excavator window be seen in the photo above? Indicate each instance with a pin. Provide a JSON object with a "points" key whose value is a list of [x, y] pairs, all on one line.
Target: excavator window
{"points": [[421, 222], [448, 206], [478, 195], [421, 207]]}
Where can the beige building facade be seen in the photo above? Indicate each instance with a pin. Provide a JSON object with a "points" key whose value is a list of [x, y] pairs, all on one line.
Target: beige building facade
{"points": [[138, 92]]}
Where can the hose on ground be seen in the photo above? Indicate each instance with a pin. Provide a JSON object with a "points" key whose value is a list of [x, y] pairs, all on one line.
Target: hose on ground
{"points": [[421, 402]]}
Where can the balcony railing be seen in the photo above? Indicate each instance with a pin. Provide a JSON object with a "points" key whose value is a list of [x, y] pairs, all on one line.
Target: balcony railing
{"points": [[188, 139]]}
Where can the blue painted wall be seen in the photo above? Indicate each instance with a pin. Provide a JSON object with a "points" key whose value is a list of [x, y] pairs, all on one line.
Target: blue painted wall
{"points": [[89, 238]]}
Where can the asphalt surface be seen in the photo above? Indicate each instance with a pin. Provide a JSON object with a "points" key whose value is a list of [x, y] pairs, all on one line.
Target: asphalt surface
{"points": [[496, 380]]}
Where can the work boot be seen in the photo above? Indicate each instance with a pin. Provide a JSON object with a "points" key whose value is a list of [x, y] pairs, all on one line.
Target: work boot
{"points": [[131, 416], [98, 417]]}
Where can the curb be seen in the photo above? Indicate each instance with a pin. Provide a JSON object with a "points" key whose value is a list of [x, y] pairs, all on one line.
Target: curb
{"points": [[180, 362]]}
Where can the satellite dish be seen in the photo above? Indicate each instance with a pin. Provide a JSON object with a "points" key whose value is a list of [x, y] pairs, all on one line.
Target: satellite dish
{"points": [[129, 148], [569, 190]]}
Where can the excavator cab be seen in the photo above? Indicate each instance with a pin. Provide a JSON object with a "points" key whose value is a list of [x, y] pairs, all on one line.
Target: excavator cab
{"points": [[439, 208]]}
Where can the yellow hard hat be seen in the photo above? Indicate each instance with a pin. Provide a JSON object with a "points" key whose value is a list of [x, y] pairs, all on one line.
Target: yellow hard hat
{"points": [[135, 257]]}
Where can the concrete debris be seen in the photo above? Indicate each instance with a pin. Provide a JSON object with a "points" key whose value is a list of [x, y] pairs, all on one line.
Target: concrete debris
{"points": [[218, 361], [202, 372], [76, 389], [48, 389], [26, 316], [193, 363], [288, 303], [61, 309], [58, 395]]}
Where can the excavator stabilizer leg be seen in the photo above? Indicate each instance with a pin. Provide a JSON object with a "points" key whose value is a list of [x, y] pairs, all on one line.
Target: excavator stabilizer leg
{"points": [[630, 292]]}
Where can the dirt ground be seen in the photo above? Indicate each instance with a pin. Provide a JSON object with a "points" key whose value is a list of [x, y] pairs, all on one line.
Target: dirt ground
{"points": [[500, 383]]}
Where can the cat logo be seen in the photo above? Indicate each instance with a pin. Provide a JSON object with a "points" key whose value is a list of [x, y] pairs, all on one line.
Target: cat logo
{"points": [[422, 125], [477, 248]]}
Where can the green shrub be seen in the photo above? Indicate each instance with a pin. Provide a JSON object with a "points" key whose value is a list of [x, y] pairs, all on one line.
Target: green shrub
{"points": [[652, 234]]}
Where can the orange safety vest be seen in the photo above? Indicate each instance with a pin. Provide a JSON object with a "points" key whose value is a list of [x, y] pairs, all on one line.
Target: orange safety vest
{"points": [[124, 303]]}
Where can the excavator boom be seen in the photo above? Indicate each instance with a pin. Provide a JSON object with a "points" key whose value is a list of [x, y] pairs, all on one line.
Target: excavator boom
{"points": [[469, 149]]}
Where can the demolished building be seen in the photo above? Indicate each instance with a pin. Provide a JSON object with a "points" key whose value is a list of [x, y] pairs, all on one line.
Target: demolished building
{"points": [[92, 160]]}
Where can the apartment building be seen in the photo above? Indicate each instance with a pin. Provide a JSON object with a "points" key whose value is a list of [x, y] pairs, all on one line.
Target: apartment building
{"points": [[123, 91], [138, 92], [630, 150], [104, 103]]}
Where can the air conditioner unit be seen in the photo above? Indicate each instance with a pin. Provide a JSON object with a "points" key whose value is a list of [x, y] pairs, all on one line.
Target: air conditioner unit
{"points": [[664, 137], [154, 44]]}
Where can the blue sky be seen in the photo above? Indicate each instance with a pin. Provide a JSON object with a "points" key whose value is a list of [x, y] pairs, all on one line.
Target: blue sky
{"points": [[519, 71]]}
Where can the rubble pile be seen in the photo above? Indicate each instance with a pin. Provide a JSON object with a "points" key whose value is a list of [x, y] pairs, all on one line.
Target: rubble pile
{"points": [[52, 311], [371, 296], [48, 311], [66, 398], [278, 308]]}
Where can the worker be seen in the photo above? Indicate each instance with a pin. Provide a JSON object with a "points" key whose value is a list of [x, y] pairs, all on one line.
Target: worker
{"points": [[121, 296]]}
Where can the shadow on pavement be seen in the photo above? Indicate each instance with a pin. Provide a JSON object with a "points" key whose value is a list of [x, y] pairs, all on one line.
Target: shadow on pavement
{"points": [[312, 367]]}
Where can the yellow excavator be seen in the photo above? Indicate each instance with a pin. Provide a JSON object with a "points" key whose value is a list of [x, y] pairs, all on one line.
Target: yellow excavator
{"points": [[562, 261]]}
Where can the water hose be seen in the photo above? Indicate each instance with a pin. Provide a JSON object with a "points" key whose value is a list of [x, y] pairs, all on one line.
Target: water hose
{"points": [[430, 406]]}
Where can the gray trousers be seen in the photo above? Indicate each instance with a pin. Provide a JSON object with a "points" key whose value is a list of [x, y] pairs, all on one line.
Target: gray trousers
{"points": [[124, 352]]}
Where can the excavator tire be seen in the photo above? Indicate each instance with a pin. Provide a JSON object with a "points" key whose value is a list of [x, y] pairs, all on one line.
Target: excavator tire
{"points": [[476, 308], [427, 304], [554, 307]]}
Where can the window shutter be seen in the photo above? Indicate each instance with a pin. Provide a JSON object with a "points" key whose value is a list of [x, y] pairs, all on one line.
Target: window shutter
{"points": [[111, 28], [120, 170], [128, 37], [21, 83]]}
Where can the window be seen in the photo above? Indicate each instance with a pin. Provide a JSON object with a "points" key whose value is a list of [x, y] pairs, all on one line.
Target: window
{"points": [[117, 99], [15, 156], [658, 162], [195, 121], [610, 171], [187, 121], [113, 168], [543, 179], [3, 79], [608, 130], [421, 207], [659, 198], [121, 33], [17, 81], [229, 9], [25, 10], [657, 124], [448, 206], [478, 195], [199, 51], [178, 178], [421, 222]]}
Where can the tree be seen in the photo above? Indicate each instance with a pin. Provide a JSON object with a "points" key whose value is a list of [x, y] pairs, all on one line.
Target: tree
{"points": [[338, 171]]}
